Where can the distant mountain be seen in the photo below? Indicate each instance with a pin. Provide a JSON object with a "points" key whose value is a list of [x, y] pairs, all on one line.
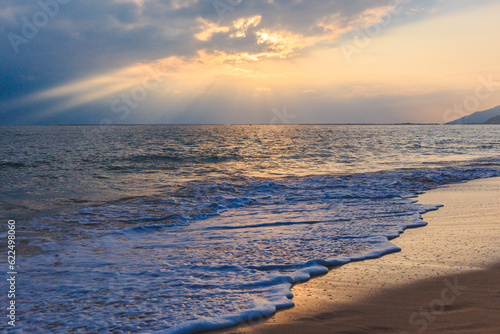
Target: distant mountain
{"points": [[479, 117], [494, 120]]}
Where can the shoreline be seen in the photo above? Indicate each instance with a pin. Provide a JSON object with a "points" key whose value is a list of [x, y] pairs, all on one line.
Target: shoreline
{"points": [[388, 294]]}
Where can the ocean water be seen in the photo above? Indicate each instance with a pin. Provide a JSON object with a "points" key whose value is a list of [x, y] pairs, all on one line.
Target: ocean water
{"points": [[179, 229]]}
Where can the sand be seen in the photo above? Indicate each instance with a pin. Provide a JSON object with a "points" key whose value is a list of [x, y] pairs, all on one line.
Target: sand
{"points": [[446, 279]]}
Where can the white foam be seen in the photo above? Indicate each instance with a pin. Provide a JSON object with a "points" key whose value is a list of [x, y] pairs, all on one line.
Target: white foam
{"points": [[183, 265]]}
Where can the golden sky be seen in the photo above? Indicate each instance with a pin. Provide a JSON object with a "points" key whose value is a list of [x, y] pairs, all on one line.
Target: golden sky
{"points": [[388, 62]]}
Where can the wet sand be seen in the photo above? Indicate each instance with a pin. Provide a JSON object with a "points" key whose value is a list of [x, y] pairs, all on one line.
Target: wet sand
{"points": [[445, 279]]}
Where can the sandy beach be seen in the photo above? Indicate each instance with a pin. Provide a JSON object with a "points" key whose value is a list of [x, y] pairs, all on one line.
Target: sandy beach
{"points": [[445, 279]]}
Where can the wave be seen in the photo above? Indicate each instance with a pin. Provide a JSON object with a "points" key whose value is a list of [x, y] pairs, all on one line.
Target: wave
{"points": [[211, 254]]}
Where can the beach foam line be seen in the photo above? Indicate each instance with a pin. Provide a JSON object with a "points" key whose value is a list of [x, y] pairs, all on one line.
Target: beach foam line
{"points": [[459, 243], [258, 265]]}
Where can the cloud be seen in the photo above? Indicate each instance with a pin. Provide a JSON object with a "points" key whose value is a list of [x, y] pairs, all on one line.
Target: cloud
{"points": [[89, 50], [208, 29], [132, 30]]}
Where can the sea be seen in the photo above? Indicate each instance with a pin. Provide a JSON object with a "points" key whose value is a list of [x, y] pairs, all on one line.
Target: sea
{"points": [[187, 228]]}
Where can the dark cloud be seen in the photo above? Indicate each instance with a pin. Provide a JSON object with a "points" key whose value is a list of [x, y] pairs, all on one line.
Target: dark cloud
{"points": [[93, 36]]}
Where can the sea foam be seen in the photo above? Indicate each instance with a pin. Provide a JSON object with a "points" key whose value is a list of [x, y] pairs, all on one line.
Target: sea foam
{"points": [[222, 252]]}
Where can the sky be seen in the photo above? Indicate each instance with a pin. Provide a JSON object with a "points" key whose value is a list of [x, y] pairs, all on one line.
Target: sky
{"points": [[246, 61]]}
